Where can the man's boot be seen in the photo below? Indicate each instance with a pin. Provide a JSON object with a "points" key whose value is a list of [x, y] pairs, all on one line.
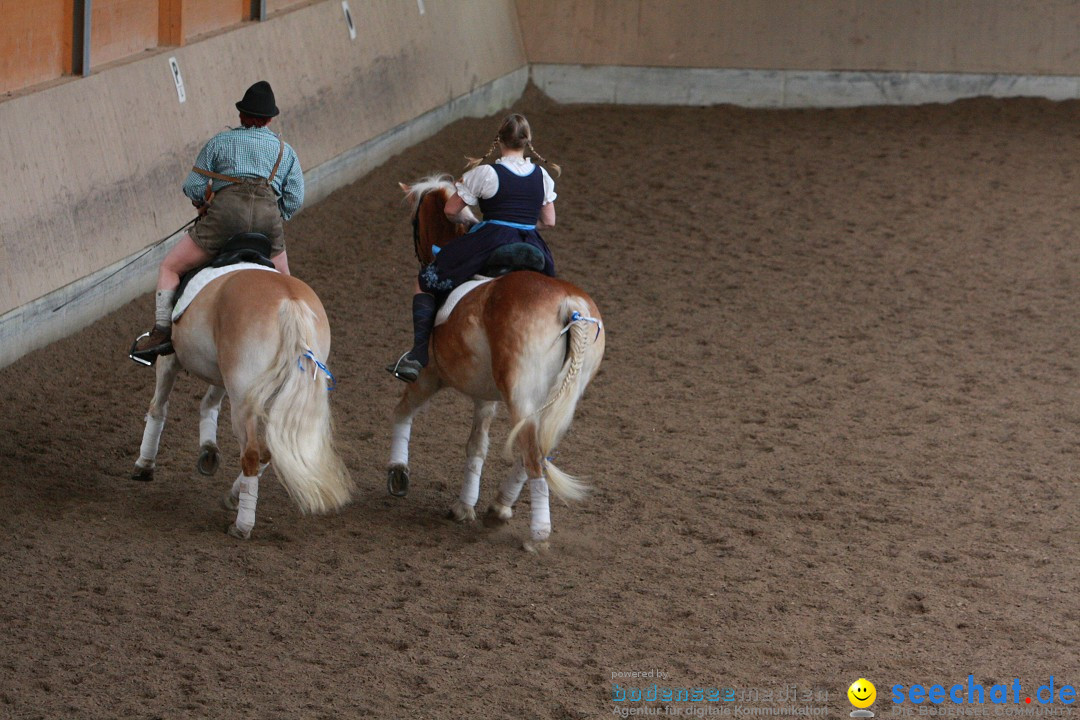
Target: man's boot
{"points": [[159, 340]]}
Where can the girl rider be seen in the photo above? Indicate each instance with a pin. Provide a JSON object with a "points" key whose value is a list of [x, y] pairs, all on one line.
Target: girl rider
{"points": [[517, 199]]}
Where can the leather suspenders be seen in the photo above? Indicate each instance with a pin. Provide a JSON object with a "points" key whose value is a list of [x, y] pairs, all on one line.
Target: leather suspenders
{"points": [[228, 178]]}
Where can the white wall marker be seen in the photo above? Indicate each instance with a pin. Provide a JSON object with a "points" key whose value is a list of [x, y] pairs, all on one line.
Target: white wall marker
{"points": [[348, 19], [175, 67]]}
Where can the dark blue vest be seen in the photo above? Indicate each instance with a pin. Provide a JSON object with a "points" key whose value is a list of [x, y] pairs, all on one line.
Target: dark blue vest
{"points": [[518, 198]]}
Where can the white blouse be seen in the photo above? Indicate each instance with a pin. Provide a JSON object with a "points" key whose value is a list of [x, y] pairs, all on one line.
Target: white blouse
{"points": [[483, 182]]}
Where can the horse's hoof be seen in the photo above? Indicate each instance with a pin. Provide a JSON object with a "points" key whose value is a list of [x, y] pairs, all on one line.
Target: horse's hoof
{"points": [[209, 460], [497, 515], [238, 533], [229, 502], [397, 481], [460, 512], [537, 547], [538, 540], [143, 474]]}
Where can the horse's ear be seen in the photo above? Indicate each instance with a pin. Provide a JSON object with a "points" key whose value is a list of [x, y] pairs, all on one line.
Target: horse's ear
{"points": [[405, 188]]}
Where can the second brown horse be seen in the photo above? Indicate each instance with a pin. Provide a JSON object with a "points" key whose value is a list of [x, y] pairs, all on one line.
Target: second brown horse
{"points": [[525, 339]]}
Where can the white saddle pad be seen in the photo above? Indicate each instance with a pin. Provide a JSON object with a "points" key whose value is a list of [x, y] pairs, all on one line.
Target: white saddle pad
{"points": [[456, 294], [203, 278]]}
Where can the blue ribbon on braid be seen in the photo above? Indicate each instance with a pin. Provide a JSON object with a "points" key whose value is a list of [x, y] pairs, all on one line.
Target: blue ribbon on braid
{"points": [[311, 356], [577, 317]]}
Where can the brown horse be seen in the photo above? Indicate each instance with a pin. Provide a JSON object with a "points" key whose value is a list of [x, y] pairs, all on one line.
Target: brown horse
{"points": [[525, 339], [263, 338]]}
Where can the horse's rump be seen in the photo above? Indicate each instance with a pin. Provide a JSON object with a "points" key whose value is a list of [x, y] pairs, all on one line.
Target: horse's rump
{"points": [[233, 323], [514, 339]]}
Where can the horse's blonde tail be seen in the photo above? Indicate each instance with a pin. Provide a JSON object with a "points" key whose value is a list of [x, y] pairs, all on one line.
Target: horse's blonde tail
{"points": [[553, 418], [290, 401]]}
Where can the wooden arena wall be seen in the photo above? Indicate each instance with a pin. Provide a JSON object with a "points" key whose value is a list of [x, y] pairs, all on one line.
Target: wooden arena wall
{"points": [[941, 36], [94, 164], [779, 53]]}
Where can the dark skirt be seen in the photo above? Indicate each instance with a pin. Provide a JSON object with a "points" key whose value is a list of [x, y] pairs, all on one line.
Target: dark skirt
{"points": [[460, 260]]}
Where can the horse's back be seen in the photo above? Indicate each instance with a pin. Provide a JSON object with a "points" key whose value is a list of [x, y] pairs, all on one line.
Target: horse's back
{"points": [[253, 297]]}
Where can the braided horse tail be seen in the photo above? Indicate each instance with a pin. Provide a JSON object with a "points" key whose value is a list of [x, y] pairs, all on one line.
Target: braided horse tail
{"points": [[551, 421]]}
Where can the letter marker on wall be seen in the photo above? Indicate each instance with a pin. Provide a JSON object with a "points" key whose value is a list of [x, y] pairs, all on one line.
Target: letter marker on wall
{"points": [[348, 19], [175, 67]]}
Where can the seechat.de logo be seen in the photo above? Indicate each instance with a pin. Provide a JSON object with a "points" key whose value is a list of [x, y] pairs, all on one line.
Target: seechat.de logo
{"points": [[974, 693], [862, 695]]}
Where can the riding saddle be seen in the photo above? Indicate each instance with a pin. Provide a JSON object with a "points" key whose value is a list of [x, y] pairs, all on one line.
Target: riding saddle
{"points": [[248, 247]]}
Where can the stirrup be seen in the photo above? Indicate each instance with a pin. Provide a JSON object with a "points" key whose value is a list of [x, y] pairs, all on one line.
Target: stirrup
{"points": [[146, 358], [149, 356], [405, 369]]}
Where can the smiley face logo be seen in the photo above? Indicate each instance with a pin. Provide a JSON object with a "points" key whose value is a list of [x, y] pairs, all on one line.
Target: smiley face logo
{"points": [[862, 693]]}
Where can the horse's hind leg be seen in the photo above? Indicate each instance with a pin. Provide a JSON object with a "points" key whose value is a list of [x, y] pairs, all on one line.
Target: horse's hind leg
{"points": [[246, 487], [500, 511], [532, 467], [539, 502], [167, 369], [464, 508], [539, 514], [209, 457], [231, 501], [412, 400]]}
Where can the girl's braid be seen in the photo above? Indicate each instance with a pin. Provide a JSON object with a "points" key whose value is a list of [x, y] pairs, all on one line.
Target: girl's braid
{"points": [[473, 162], [555, 168]]}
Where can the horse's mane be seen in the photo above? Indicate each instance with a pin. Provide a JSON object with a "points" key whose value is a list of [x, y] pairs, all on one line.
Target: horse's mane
{"points": [[438, 229], [420, 188]]}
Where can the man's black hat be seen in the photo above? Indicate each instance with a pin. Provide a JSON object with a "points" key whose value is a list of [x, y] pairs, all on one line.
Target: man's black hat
{"points": [[258, 101]]}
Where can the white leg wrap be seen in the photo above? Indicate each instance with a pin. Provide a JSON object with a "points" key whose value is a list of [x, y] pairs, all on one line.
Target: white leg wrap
{"points": [[208, 428], [249, 497], [470, 490], [151, 438], [262, 468], [399, 444], [511, 486], [540, 513], [209, 409], [235, 492]]}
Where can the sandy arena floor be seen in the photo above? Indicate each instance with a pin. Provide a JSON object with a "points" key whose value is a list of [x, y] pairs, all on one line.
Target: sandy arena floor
{"points": [[833, 437]]}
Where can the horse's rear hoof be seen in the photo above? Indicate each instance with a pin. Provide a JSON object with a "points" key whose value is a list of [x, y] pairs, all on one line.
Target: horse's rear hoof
{"points": [[460, 512], [537, 543], [229, 502], [537, 547], [238, 533], [397, 481], [497, 515], [209, 460], [142, 474]]}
